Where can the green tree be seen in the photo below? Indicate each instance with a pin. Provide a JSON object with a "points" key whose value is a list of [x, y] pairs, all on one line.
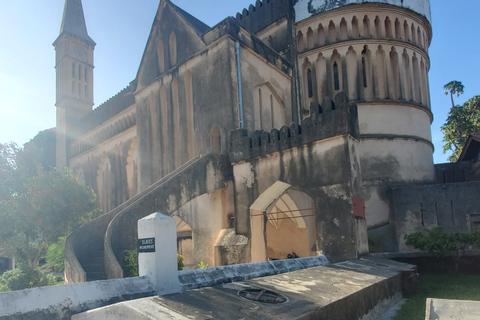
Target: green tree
{"points": [[439, 243], [461, 122], [38, 206], [454, 88]]}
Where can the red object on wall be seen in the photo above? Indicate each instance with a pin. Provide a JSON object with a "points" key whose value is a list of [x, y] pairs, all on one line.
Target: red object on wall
{"points": [[358, 206]]}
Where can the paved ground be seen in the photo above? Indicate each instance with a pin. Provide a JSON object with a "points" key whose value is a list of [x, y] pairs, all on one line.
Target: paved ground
{"points": [[347, 290]]}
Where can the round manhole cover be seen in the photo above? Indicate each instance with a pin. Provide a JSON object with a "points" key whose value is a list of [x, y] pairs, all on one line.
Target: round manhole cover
{"points": [[262, 295]]}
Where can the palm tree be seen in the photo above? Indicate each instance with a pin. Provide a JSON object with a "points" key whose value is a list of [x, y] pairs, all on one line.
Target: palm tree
{"points": [[454, 87]]}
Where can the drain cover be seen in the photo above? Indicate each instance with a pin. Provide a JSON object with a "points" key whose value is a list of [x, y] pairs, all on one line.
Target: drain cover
{"points": [[262, 295]]}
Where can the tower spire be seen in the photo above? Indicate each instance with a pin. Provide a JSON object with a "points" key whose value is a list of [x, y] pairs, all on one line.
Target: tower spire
{"points": [[73, 21]]}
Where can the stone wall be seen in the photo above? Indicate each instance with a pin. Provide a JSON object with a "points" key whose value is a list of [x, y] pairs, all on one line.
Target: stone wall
{"points": [[318, 158], [451, 206]]}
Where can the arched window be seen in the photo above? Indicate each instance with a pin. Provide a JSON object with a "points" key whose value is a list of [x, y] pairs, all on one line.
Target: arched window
{"points": [[85, 74], [161, 56], [336, 80], [309, 83], [79, 72], [176, 124], [73, 71], [364, 73], [172, 42], [190, 115]]}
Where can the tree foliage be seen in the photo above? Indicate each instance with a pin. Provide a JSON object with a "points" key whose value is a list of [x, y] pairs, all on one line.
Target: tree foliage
{"points": [[439, 243], [461, 122], [38, 205], [454, 88]]}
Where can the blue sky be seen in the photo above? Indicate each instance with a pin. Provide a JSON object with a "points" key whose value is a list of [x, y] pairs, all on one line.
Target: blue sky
{"points": [[121, 27]]}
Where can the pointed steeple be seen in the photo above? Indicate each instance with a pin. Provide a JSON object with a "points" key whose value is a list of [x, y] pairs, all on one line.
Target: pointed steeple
{"points": [[73, 21]]}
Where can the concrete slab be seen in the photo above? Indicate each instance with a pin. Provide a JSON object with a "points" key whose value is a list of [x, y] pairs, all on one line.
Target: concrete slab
{"points": [[441, 309], [358, 289]]}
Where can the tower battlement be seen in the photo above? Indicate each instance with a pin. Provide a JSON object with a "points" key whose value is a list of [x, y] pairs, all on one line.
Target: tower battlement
{"points": [[264, 13], [330, 119]]}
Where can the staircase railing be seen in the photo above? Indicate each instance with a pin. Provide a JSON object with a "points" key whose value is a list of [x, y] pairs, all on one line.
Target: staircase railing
{"points": [[96, 230]]}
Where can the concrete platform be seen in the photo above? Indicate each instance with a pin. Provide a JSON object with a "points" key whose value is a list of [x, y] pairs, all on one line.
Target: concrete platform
{"points": [[357, 289]]}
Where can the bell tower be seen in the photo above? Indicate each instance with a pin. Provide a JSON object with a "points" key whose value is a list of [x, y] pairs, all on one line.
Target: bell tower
{"points": [[74, 75]]}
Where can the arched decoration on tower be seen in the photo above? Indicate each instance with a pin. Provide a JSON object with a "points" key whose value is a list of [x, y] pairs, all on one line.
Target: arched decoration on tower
{"points": [[310, 40], [381, 76], [367, 73], [336, 72], [395, 87], [172, 44], [321, 68], [307, 83], [332, 32], [388, 28], [366, 27], [355, 28], [282, 221], [407, 80], [406, 32], [378, 27], [352, 74], [321, 35], [343, 29], [300, 45]]}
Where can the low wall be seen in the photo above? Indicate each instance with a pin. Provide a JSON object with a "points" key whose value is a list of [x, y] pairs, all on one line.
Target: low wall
{"points": [[193, 279], [61, 302], [451, 206]]}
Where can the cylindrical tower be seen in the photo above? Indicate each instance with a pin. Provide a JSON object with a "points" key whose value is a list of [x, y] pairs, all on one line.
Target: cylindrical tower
{"points": [[377, 52]]}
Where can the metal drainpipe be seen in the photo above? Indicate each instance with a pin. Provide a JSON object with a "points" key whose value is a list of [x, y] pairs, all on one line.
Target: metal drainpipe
{"points": [[240, 99]]}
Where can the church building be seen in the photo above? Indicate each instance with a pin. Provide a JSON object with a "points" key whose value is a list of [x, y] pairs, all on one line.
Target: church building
{"points": [[281, 130]]}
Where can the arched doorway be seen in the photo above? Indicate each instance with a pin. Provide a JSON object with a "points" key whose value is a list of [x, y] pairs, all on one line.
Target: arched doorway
{"points": [[184, 241], [282, 221]]}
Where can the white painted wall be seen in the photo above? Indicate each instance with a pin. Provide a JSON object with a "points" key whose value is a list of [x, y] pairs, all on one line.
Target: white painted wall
{"points": [[422, 7]]}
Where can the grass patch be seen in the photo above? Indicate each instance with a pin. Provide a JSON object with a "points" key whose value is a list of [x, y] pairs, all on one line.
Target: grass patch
{"points": [[441, 286]]}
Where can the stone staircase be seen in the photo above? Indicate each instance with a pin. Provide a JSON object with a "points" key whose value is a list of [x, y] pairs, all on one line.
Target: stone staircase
{"points": [[94, 266]]}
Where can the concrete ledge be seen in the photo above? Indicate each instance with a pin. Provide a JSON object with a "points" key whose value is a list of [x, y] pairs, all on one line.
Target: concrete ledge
{"points": [[194, 279], [60, 302], [357, 289], [440, 309]]}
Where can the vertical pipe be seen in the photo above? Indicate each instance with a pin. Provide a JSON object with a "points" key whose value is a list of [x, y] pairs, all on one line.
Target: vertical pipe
{"points": [[240, 99]]}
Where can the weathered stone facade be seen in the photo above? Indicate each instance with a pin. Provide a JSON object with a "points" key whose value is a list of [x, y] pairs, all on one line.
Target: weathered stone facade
{"points": [[231, 130]]}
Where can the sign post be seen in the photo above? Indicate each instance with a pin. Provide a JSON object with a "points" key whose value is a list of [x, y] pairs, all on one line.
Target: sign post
{"points": [[157, 252]]}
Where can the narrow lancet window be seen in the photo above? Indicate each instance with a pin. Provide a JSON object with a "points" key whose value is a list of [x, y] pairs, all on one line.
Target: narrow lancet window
{"points": [[336, 81], [310, 83]]}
